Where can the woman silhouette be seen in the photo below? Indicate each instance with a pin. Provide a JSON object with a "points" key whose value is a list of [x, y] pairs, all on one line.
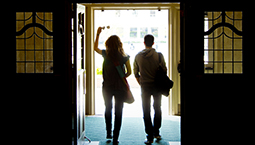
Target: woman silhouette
{"points": [[112, 83]]}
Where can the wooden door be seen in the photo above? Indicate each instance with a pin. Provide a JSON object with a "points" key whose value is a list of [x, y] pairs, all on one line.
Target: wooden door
{"points": [[79, 67]]}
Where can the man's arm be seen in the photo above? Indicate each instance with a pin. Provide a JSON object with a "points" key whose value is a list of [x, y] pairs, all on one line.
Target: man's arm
{"points": [[163, 63], [136, 71]]}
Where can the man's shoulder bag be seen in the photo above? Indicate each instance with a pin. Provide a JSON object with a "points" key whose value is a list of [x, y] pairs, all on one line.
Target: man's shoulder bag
{"points": [[162, 81]]}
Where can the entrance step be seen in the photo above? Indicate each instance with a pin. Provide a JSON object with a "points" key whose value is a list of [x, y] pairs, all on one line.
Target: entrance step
{"points": [[127, 143]]}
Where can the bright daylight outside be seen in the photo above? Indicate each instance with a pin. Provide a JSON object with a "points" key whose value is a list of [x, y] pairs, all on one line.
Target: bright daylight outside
{"points": [[131, 26]]}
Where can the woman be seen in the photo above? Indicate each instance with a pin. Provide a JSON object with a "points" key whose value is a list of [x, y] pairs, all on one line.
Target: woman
{"points": [[113, 84]]}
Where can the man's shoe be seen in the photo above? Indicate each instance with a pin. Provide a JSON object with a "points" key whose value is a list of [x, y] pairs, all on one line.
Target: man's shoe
{"points": [[148, 141], [115, 142], [158, 137]]}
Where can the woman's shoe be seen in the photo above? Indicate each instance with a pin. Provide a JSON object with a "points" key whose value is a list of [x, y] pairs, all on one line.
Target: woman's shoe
{"points": [[109, 136]]}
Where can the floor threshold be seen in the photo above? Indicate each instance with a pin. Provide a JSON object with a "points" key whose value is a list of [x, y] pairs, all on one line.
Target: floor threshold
{"points": [[97, 143]]}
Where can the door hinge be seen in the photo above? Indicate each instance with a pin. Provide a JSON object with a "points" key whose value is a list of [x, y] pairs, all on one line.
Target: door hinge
{"points": [[73, 14], [73, 10]]}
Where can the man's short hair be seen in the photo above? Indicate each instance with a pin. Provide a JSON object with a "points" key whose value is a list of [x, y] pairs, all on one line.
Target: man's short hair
{"points": [[148, 40]]}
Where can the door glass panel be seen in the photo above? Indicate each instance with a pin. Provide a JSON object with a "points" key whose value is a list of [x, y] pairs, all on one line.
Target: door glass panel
{"points": [[223, 42], [34, 42]]}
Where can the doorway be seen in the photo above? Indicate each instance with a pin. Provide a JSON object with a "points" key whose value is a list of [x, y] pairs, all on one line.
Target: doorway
{"points": [[131, 26], [127, 21], [166, 30]]}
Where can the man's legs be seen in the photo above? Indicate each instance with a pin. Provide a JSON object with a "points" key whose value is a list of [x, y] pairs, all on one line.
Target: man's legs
{"points": [[146, 101], [158, 114]]}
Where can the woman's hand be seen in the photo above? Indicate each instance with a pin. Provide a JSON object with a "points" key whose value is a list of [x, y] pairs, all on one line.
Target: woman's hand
{"points": [[128, 68], [99, 30]]}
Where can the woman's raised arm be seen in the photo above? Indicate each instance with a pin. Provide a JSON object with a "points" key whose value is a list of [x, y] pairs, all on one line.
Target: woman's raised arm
{"points": [[99, 51]]}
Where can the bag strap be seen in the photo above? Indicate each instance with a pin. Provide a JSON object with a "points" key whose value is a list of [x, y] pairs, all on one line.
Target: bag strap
{"points": [[159, 57], [120, 71], [122, 75]]}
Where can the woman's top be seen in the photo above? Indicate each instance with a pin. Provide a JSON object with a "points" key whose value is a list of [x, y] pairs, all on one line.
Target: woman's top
{"points": [[111, 76]]}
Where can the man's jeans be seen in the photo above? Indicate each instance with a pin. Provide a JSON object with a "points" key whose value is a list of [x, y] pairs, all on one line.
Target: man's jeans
{"points": [[151, 129]]}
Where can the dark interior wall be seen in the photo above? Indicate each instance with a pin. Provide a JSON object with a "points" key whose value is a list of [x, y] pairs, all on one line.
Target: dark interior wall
{"points": [[206, 107]]}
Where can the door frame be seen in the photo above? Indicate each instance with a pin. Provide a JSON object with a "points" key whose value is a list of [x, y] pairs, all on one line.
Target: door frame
{"points": [[79, 70], [174, 48]]}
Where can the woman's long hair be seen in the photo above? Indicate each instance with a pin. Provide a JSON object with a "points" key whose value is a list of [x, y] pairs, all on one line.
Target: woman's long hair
{"points": [[114, 48]]}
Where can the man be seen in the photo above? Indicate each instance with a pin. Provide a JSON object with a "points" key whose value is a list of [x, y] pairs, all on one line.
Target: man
{"points": [[145, 66]]}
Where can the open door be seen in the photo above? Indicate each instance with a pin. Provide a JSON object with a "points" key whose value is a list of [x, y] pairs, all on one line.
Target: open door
{"points": [[79, 67], [215, 66]]}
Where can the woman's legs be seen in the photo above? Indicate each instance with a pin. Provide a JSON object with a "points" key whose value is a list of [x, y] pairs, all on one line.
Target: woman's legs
{"points": [[107, 94], [118, 114]]}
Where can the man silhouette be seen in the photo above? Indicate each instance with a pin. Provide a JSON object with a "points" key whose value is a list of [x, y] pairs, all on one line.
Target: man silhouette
{"points": [[145, 66]]}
